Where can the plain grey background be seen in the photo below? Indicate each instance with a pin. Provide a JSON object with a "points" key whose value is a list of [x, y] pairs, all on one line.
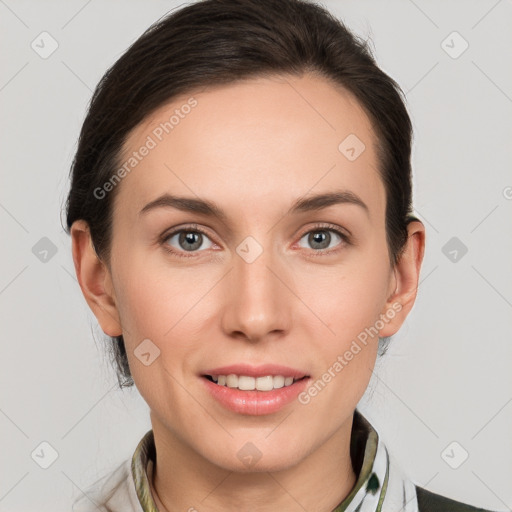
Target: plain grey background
{"points": [[446, 378]]}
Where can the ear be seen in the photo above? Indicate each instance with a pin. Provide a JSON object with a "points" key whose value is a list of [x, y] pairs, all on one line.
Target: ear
{"points": [[405, 282], [95, 279]]}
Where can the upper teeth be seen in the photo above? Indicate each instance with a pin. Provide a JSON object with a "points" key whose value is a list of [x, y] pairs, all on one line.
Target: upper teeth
{"points": [[246, 383]]}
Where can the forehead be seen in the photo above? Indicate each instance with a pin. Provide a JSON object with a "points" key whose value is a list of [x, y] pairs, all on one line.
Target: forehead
{"points": [[264, 139]]}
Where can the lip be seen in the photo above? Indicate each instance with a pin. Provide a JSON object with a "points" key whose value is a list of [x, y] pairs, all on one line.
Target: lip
{"points": [[254, 403], [257, 371]]}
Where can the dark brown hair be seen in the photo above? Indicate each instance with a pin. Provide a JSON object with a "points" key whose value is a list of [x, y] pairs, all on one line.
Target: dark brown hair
{"points": [[214, 42]]}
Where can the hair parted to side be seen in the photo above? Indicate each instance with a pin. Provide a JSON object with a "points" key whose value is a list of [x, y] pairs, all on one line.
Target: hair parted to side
{"points": [[217, 42]]}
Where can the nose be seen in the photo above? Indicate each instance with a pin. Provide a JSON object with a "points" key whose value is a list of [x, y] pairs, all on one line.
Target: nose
{"points": [[259, 299]]}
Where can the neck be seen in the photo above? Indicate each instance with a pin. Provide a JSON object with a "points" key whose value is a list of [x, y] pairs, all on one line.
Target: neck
{"points": [[184, 480]]}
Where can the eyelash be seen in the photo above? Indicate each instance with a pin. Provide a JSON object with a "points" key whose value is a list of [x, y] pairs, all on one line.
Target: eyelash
{"points": [[196, 229]]}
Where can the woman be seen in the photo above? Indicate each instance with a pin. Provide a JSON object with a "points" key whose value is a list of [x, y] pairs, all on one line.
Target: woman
{"points": [[240, 214]]}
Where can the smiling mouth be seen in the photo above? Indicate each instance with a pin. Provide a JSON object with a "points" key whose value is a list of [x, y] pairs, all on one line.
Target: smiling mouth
{"points": [[248, 383]]}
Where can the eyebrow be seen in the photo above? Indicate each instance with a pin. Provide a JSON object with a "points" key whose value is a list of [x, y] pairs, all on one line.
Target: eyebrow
{"points": [[210, 209]]}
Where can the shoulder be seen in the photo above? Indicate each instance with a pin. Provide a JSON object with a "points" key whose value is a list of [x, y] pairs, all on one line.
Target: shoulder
{"points": [[113, 492], [431, 502]]}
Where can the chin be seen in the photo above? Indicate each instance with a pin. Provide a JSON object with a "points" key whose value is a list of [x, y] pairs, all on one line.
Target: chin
{"points": [[251, 459]]}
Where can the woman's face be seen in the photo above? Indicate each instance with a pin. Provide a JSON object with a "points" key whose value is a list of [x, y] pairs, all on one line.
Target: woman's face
{"points": [[265, 283]]}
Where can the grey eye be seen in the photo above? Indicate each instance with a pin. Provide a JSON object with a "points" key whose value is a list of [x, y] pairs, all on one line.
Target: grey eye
{"points": [[188, 240], [321, 238]]}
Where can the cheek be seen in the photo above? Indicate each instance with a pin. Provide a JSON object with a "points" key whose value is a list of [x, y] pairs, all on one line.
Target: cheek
{"points": [[350, 304], [153, 306], [348, 298], [352, 341], [151, 297], [169, 306]]}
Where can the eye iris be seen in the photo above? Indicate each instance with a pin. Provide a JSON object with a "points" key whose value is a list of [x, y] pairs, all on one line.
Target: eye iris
{"points": [[317, 237], [190, 237]]}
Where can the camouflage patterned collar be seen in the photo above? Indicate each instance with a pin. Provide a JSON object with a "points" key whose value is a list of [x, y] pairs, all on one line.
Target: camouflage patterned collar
{"points": [[144, 454]]}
